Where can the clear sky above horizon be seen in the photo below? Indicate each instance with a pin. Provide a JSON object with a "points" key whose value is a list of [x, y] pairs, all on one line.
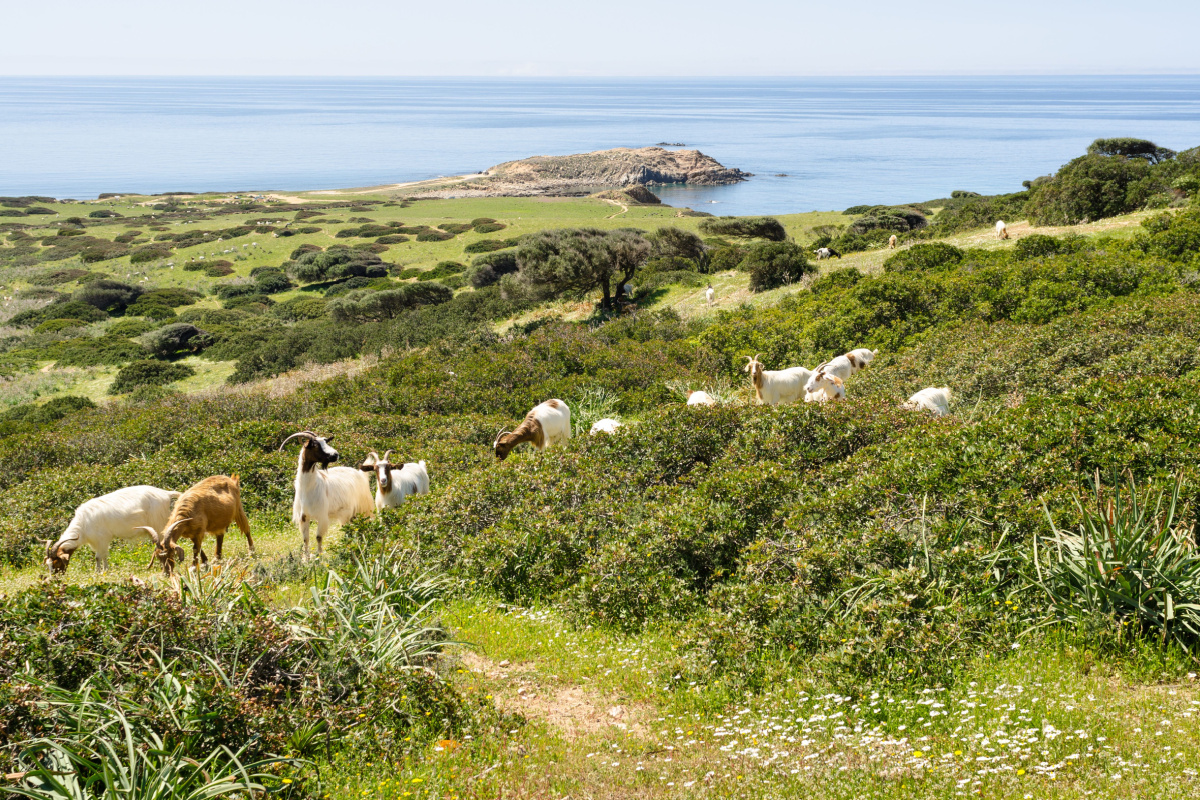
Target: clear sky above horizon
{"points": [[615, 38]]}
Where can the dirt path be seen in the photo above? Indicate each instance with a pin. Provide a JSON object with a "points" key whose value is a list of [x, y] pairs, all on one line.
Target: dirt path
{"points": [[624, 208]]}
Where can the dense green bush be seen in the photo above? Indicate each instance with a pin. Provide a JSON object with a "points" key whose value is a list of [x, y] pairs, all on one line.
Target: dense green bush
{"points": [[931, 256], [31, 417], [490, 245], [489, 268], [148, 373], [112, 297], [178, 338], [54, 277], [150, 252], [1037, 246], [298, 308], [1091, 187], [56, 325], [774, 264], [434, 236], [60, 309], [332, 264], [576, 261], [360, 306], [489, 227], [1130, 148], [767, 228]]}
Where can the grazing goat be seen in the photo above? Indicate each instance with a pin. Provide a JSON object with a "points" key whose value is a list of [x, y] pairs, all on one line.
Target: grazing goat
{"points": [[892, 242], [393, 486], [776, 386], [117, 515], [932, 399], [701, 398], [824, 387], [606, 425], [1001, 230], [841, 367], [326, 495], [709, 294], [210, 506], [546, 425], [826, 252]]}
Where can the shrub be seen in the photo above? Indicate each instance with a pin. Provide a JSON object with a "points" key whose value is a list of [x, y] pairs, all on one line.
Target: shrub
{"points": [[487, 269], [1089, 188], [218, 270], [101, 250], [73, 309], [489, 245], [110, 296], [332, 264], [1130, 148], [929, 256], [900, 219], [767, 228], [103, 213], [308, 229], [457, 227], [130, 327], [272, 282], [481, 221], [300, 308], [1037, 245], [301, 250], [178, 338], [774, 264], [173, 296], [726, 257], [434, 236], [150, 308], [488, 227], [56, 276], [56, 325], [391, 238], [227, 291], [388, 304], [678, 243]]}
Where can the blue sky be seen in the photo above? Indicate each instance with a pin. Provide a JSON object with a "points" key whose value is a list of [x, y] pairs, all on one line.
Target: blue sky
{"points": [[609, 37]]}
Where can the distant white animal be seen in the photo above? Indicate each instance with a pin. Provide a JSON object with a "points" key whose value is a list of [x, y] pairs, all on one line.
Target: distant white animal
{"points": [[700, 398], [892, 242], [606, 425], [117, 515], [826, 252], [546, 425], [395, 484], [1001, 230], [774, 387], [709, 294], [932, 399]]}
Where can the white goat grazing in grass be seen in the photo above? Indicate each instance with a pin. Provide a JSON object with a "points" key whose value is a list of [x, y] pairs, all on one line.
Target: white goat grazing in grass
{"points": [[546, 425], [324, 494], [117, 515], [1001, 230], [606, 425]]}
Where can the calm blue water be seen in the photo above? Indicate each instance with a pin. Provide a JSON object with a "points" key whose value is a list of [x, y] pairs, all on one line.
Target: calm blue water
{"points": [[841, 141]]}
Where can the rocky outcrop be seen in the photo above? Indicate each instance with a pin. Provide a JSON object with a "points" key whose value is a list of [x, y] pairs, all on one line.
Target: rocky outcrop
{"points": [[585, 173]]}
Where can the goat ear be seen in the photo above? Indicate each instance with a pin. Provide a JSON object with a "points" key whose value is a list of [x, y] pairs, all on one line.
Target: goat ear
{"points": [[328, 439]]}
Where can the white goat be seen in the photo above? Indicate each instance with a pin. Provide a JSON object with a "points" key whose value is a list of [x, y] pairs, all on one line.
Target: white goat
{"points": [[1001, 229], [326, 495], [546, 425], [701, 398], [841, 367], [116, 515], [824, 387], [892, 242], [709, 294], [932, 399], [394, 485], [777, 386], [606, 425]]}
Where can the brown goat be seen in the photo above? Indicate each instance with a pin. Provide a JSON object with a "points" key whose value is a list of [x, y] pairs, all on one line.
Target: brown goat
{"points": [[210, 506]]}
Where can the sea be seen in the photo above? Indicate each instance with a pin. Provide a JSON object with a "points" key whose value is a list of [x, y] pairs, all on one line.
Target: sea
{"points": [[812, 143]]}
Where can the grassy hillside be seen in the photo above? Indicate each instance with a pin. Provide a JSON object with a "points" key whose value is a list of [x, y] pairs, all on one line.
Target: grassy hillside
{"points": [[839, 600]]}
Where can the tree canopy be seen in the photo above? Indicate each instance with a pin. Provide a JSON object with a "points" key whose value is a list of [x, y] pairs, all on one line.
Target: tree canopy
{"points": [[580, 260]]}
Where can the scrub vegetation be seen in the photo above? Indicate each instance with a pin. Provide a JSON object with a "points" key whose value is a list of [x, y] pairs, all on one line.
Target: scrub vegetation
{"points": [[847, 599]]}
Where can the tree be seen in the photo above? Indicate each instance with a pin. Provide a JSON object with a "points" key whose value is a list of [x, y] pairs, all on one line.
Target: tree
{"points": [[1131, 148], [773, 264], [767, 228], [675, 242], [111, 296], [1090, 187], [181, 337], [580, 260]]}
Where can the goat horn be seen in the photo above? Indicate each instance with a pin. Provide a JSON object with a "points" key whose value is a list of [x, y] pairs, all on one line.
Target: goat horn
{"points": [[309, 434], [385, 456]]}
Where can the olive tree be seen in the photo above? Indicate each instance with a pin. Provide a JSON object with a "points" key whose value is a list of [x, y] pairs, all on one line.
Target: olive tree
{"points": [[580, 260]]}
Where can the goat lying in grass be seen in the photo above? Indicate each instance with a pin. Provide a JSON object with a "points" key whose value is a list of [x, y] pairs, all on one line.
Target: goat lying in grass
{"points": [[546, 425], [326, 495], [701, 398], [933, 399], [606, 425], [122, 514], [393, 485], [209, 507]]}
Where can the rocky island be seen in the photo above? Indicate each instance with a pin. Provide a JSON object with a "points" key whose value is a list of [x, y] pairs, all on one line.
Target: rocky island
{"points": [[585, 173]]}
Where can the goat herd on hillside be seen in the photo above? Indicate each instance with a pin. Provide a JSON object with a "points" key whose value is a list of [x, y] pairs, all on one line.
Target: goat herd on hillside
{"points": [[328, 495]]}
